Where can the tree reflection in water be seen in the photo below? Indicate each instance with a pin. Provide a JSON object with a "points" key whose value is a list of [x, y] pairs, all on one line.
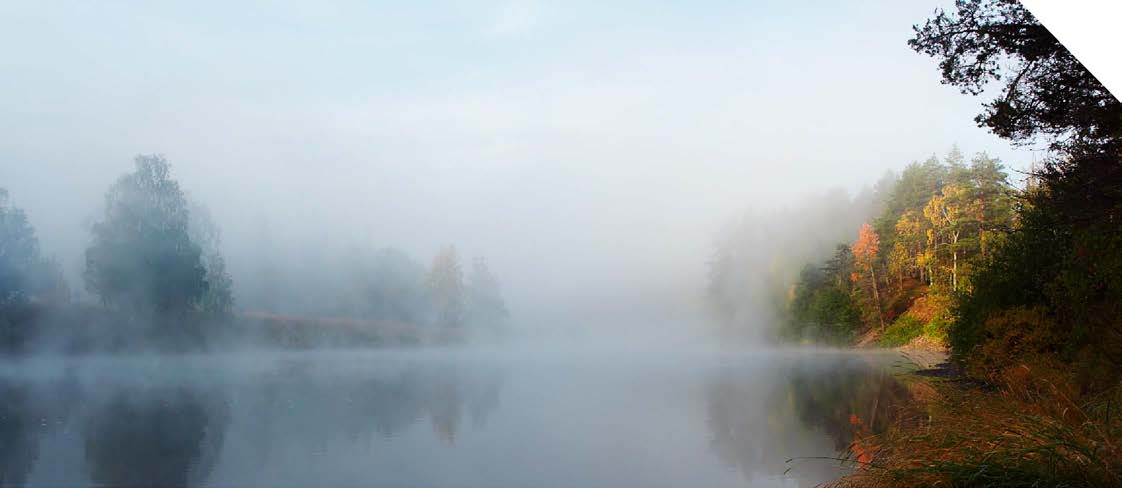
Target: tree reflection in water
{"points": [[353, 407], [19, 443], [312, 419], [29, 410], [154, 438], [133, 432], [842, 399]]}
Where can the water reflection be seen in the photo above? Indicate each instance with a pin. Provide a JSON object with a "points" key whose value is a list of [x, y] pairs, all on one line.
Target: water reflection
{"points": [[842, 398], [29, 410], [19, 443], [327, 409], [401, 420], [165, 437]]}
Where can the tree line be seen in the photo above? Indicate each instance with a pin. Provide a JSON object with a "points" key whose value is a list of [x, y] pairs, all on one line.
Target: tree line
{"points": [[901, 271], [155, 267], [1050, 291], [1034, 311], [1007, 276]]}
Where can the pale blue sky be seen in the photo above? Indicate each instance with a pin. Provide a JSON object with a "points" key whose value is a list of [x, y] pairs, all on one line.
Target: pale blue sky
{"points": [[579, 145]]}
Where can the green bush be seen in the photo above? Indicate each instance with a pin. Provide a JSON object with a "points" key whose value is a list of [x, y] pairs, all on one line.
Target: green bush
{"points": [[937, 328], [904, 329]]}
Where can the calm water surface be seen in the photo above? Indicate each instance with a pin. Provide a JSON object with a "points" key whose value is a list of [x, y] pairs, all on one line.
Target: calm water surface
{"points": [[440, 419]]}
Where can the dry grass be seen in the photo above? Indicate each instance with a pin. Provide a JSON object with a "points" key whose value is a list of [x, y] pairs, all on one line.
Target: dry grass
{"points": [[1033, 431]]}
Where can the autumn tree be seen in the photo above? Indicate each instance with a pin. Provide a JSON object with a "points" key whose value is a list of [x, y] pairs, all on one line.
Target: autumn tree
{"points": [[953, 215], [865, 254], [906, 257], [445, 283]]}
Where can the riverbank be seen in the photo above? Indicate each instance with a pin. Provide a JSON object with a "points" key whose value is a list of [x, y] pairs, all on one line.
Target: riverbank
{"points": [[83, 328], [1024, 428]]}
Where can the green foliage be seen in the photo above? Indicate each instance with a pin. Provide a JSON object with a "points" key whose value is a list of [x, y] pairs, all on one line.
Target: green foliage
{"points": [[218, 301], [1044, 89], [823, 306], [143, 259], [24, 273], [940, 217], [1070, 273], [25, 277], [903, 330], [19, 252], [910, 191], [1045, 293], [937, 328], [1052, 288]]}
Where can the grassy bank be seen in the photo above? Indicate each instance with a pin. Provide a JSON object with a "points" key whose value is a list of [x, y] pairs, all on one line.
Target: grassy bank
{"points": [[1026, 427]]}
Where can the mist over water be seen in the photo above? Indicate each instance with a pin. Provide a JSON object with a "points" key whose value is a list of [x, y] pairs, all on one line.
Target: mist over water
{"points": [[440, 418], [447, 243]]}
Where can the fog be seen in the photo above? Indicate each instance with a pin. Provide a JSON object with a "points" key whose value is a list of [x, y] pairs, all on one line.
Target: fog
{"points": [[591, 155], [437, 419], [451, 243]]}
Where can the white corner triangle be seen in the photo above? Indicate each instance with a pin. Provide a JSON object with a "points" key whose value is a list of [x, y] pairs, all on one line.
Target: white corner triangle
{"points": [[1091, 30]]}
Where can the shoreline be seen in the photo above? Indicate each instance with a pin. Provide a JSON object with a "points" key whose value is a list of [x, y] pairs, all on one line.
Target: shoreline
{"points": [[1023, 429]]}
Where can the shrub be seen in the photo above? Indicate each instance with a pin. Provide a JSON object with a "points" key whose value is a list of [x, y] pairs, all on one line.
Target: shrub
{"points": [[904, 329], [936, 328]]}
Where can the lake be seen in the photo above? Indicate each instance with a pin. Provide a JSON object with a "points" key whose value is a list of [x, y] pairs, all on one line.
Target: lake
{"points": [[432, 418]]}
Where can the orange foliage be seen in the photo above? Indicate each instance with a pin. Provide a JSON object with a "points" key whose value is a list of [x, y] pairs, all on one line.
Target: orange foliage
{"points": [[866, 248], [862, 451]]}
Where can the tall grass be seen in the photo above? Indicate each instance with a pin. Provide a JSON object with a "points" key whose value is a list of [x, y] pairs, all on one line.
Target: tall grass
{"points": [[1031, 431]]}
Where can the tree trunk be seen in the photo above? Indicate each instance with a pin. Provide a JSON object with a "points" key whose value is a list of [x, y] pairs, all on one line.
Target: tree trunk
{"points": [[876, 298], [954, 261]]}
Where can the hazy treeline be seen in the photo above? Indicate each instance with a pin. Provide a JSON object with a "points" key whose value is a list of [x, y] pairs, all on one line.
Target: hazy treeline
{"points": [[155, 269], [26, 276], [757, 256]]}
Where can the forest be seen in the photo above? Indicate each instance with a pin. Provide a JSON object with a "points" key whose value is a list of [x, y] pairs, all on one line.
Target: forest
{"points": [[1022, 283], [949, 249], [900, 274], [155, 278]]}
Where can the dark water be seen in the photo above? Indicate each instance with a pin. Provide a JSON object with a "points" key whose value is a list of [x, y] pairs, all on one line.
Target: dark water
{"points": [[432, 419]]}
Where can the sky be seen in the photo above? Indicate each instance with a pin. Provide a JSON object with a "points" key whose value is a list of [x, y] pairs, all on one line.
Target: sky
{"points": [[590, 150]]}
